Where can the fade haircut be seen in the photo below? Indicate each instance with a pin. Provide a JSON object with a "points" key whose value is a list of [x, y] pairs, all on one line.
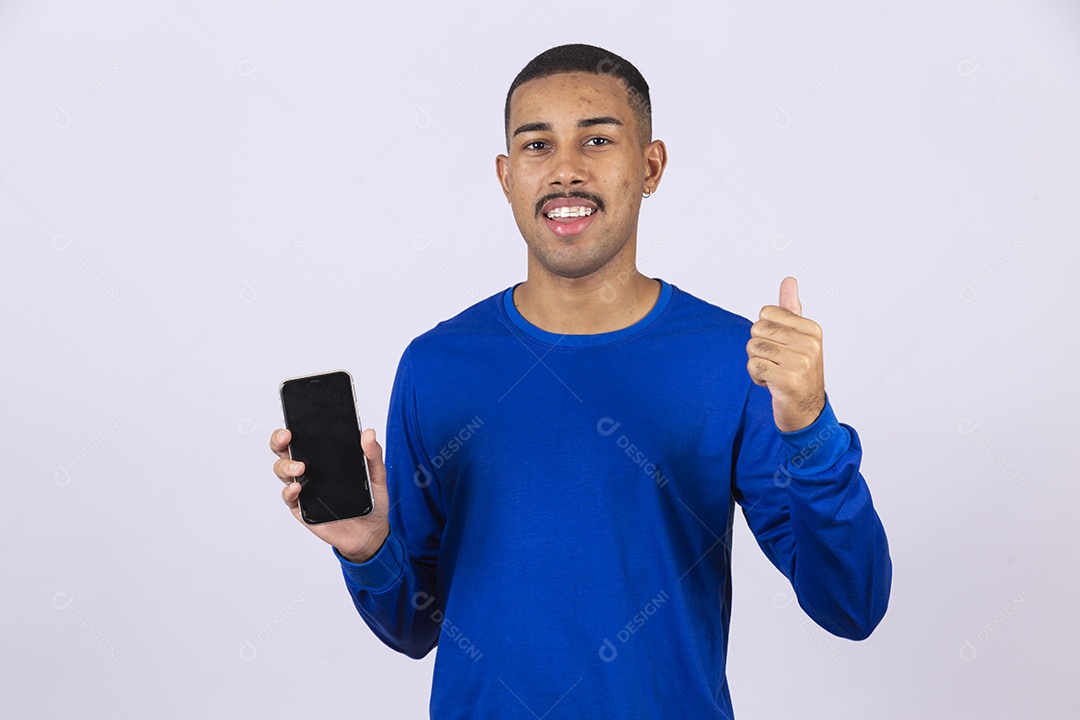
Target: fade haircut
{"points": [[588, 59]]}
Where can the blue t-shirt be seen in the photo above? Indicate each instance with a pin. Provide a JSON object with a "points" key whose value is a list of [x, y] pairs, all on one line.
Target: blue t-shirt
{"points": [[561, 513]]}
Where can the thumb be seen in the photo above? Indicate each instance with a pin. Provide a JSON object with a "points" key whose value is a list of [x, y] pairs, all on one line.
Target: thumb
{"points": [[789, 295], [374, 454]]}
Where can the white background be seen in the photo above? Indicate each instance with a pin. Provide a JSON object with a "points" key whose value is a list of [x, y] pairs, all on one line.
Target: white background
{"points": [[200, 199]]}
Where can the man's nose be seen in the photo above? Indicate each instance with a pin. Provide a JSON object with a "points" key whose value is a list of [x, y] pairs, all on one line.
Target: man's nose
{"points": [[567, 167]]}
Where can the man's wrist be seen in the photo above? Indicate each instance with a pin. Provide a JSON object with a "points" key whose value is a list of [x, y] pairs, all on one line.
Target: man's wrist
{"points": [[379, 572], [366, 555], [816, 447]]}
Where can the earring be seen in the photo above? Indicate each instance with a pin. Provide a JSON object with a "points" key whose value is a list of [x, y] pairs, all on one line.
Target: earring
{"points": [[646, 194]]}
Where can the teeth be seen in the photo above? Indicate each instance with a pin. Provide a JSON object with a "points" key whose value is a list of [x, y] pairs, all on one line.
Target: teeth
{"points": [[565, 212]]}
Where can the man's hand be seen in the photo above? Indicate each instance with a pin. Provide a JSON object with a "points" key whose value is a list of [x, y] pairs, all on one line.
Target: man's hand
{"points": [[785, 356], [357, 539]]}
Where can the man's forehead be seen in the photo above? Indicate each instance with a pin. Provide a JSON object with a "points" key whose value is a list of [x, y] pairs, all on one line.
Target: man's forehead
{"points": [[567, 91]]}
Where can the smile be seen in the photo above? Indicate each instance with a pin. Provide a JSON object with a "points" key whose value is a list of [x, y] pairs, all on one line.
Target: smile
{"points": [[570, 212]]}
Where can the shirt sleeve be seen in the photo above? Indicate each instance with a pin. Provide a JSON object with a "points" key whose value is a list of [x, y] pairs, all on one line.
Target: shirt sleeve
{"points": [[395, 590], [810, 510]]}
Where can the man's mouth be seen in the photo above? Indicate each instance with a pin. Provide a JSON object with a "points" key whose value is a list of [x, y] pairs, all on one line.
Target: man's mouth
{"points": [[567, 216], [570, 212]]}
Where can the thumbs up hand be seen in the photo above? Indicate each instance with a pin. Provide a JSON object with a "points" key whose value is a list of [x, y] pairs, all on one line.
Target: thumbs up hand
{"points": [[785, 356]]}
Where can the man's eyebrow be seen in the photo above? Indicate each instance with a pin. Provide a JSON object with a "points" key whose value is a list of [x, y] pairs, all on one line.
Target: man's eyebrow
{"points": [[602, 120], [533, 127], [583, 123]]}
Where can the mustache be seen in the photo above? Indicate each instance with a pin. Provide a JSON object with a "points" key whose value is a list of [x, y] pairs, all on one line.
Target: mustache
{"points": [[594, 199]]}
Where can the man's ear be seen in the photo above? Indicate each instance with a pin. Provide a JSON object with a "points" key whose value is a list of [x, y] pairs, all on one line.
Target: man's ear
{"points": [[655, 162], [502, 171]]}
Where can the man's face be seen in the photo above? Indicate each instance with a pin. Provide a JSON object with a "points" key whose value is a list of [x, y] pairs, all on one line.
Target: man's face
{"points": [[576, 170]]}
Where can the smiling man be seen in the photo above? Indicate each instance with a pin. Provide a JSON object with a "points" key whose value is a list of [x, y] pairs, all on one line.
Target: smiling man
{"points": [[579, 159], [564, 458]]}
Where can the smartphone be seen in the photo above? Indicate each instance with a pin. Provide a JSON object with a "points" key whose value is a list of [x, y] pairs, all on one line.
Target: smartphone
{"points": [[320, 412]]}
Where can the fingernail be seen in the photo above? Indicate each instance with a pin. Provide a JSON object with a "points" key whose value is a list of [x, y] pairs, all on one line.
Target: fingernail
{"points": [[295, 467]]}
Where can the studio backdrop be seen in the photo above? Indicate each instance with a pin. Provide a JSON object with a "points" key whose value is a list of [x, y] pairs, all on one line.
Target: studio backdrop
{"points": [[199, 200]]}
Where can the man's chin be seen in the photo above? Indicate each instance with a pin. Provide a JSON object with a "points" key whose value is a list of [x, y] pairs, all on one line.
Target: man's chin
{"points": [[570, 265]]}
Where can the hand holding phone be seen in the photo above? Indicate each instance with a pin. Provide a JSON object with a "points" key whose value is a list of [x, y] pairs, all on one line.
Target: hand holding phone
{"points": [[322, 455]]}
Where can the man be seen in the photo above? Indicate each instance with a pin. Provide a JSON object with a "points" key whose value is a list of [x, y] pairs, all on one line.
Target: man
{"points": [[564, 457]]}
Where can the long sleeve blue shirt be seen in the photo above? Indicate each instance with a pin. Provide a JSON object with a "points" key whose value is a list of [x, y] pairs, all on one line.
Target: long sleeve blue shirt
{"points": [[562, 505]]}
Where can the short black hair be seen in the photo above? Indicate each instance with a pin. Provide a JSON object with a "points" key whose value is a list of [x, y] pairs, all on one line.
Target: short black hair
{"points": [[588, 59]]}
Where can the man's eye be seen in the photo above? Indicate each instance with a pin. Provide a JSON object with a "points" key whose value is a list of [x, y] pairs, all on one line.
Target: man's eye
{"points": [[598, 141], [535, 145]]}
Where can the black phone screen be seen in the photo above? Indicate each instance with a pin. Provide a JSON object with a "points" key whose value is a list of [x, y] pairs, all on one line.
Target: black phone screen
{"points": [[320, 412]]}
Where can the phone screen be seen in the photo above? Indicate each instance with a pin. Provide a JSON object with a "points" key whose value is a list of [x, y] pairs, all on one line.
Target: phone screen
{"points": [[320, 412]]}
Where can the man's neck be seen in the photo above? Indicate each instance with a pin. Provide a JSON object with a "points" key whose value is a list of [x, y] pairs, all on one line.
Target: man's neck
{"points": [[588, 305]]}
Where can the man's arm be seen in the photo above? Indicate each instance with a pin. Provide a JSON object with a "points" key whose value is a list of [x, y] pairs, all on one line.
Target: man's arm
{"points": [[389, 556], [810, 509], [797, 477], [394, 591]]}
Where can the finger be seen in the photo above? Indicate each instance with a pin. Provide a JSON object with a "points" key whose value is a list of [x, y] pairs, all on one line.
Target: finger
{"points": [[789, 295], [790, 320], [761, 348], [279, 442], [772, 330], [288, 470], [374, 453], [788, 360], [289, 494], [788, 347], [759, 369]]}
